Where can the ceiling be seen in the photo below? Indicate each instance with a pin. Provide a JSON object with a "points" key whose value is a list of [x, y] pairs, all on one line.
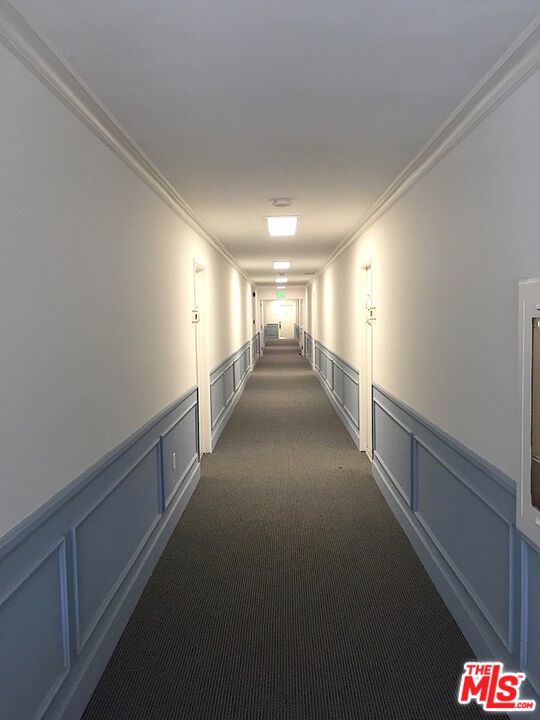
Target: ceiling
{"points": [[241, 101]]}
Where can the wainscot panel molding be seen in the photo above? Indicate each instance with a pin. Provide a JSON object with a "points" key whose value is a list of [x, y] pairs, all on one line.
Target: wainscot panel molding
{"points": [[271, 330], [71, 574], [459, 512], [308, 348], [227, 382], [341, 383], [255, 349]]}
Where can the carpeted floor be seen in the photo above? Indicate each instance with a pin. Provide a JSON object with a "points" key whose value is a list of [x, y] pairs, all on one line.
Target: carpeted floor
{"points": [[287, 590]]}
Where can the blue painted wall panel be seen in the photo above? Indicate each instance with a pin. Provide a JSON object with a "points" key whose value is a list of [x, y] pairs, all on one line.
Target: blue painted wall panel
{"points": [[393, 450], [351, 399], [475, 538], [226, 385], [462, 525], [71, 574], [340, 381], [308, 347], [179, 450], [106, 544], [34, 639], [217, 398], [531, 614]]}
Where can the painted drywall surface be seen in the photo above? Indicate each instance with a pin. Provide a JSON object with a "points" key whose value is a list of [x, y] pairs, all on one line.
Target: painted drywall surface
{"points": [[447, 258], [95, 298], [229, 301]]}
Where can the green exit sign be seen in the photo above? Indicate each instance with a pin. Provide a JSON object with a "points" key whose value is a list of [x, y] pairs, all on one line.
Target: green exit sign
{"points": [[281, 293]]}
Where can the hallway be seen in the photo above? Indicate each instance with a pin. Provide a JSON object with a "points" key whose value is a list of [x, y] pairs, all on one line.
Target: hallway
{"points": [[288, 589]]}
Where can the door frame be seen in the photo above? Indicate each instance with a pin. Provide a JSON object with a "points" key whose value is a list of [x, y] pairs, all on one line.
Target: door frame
{"points": [[366, 392], [291, 304], [200, 330]]}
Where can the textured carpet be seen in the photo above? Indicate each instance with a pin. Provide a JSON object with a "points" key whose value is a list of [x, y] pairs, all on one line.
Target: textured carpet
{"points": [[287, 590]]}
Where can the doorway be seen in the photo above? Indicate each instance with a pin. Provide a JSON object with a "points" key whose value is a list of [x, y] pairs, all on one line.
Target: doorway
{"points": [[262, 323], [287, 317], [366, 412], [200, 324]]}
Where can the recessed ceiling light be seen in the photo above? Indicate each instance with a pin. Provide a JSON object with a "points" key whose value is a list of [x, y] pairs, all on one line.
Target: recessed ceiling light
{"points": [[282, 265], [282, 279], [282, 225], [281, 287]]}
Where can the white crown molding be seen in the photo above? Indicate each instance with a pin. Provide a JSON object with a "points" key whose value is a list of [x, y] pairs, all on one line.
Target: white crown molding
{"points": [[518, 63], [17, 34]]}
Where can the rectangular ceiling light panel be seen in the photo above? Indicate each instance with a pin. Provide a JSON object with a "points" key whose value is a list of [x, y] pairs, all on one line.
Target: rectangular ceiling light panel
{"points": [[282, 265], [282, 225]]}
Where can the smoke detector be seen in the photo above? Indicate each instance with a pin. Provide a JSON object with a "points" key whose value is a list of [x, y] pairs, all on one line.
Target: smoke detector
{"points": [[281, 202]]}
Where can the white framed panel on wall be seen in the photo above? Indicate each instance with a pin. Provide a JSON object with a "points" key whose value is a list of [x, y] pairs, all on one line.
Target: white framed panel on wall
{"points": [[528, 496]]}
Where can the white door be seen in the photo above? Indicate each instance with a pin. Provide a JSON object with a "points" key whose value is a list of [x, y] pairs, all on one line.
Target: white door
{"points": [[262, 322], [301, 324], [287, 316], [201, 355], [366, 396]]}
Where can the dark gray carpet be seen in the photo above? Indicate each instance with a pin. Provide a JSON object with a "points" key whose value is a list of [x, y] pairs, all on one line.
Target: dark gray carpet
{"points": [[287, 590]]}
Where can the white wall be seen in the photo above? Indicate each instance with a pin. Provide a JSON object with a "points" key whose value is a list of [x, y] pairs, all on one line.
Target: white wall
{"points": [[447, 258], [96, 290]]}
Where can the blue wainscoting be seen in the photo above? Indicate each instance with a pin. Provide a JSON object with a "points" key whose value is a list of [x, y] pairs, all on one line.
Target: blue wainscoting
{"points": [[297, 332], [341, 383], [255, 349], [227, 383], [459, 514], [71, 574], [271, 331], [308, 348]]}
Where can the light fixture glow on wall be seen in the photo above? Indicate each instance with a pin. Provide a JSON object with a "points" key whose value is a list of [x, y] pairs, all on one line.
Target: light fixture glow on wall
{"points": [[282, 279], [282, 225], [282, 265]]}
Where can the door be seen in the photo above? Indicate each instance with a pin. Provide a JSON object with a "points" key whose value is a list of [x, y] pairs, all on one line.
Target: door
{"points": [[528, 496], [366, 412], [200, 324], [301, 325], [287, 317]]}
